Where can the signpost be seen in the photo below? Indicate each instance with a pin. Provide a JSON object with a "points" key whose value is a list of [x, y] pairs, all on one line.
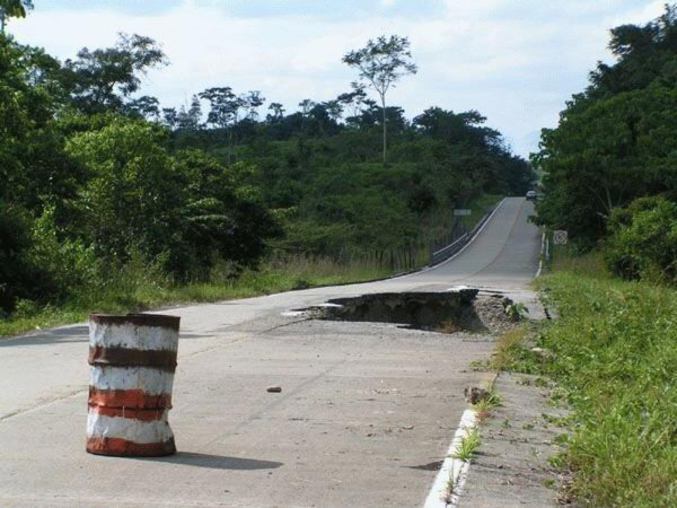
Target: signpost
{"points": [[560, 237], [461, 212]]}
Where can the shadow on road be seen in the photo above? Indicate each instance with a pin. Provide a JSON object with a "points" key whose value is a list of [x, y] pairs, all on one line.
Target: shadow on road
{"points": [[215, 461], [78, 333]]}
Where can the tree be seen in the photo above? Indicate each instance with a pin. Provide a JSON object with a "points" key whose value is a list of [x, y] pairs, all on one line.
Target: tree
{"points": [[605, 156], [224, 110], [170, 117], [643, 240], [220, 216], [13, 9], [145, 107], [353, 100], [132, 198], [251, 101], [277, 112], [189, 120], [617, 141], [101, 80], [306, 105], [334, 109], [382, 63]]}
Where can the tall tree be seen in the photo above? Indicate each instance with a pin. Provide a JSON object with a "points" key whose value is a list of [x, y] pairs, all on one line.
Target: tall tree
{"points": [[13, 9], [381, 63], [224, 111], [101, 80], [189, 120], [223, 106], [170, 117], [277, 112], [251, 101]]}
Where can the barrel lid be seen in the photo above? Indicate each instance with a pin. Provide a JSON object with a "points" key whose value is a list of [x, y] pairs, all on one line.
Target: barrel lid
{"points": [[160, 320]]}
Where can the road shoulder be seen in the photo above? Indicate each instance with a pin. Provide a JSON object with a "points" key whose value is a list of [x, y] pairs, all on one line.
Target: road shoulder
{"points": [[512, 468]]}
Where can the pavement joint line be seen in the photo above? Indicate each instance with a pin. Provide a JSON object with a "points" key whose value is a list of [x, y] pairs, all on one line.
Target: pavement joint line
{"points": [[42, 404]]}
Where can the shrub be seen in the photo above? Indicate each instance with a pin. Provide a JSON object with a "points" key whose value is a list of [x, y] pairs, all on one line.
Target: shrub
{"points": [[643, 240], [17, 273]]}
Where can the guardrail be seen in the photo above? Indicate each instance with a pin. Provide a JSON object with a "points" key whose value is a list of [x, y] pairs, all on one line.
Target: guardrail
{"points": [[454, 247]]}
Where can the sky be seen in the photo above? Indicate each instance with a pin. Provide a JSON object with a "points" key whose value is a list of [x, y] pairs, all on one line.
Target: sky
{"points": [[515, 61]]}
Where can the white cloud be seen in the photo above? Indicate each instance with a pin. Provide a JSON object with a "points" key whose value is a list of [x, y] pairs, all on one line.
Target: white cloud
{"points": [[516, 62]]}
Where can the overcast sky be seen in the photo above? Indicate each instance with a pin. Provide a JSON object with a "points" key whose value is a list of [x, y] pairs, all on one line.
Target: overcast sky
{"points": [[516, 61]]}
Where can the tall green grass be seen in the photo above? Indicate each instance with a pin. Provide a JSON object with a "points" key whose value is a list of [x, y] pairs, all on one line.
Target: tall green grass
{"points": [[615, 354], [141, 287]]}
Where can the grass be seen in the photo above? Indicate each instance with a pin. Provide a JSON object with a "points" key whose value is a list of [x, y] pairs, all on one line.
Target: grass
{"points": [[468, 446], [141, 288], [614, 357], [484, 406]]}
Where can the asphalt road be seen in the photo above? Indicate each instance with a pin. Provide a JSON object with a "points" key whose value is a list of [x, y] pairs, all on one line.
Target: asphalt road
{"points": [[366, 412]]}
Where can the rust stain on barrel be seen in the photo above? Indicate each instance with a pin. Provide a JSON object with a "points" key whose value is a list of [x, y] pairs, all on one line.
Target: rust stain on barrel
{"points": [[129, 398], [125, 357], [122, 447]]}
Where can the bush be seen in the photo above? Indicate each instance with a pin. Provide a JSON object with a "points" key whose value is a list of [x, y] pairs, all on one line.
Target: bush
{"points": [[70, 264], [17, 273], [643, 240]]}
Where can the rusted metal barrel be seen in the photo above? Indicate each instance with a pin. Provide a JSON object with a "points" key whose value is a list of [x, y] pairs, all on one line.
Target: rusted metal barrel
{"points": [[132, 359]]}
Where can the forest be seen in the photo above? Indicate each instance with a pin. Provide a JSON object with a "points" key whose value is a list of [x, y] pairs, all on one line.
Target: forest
{"points": [[103, 186], [610, 166]]}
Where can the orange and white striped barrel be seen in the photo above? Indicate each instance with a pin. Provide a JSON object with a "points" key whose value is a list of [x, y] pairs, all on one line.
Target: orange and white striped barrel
{"points": [[132, 359]]}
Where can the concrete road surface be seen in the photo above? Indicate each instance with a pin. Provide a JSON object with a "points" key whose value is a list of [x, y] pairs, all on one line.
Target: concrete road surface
{"points": [[366, 412]]}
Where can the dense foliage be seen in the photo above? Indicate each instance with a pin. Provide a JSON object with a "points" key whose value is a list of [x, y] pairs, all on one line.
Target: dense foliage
{"points": [[643, 240], [99, 180], [617, 141], [89, 185]]}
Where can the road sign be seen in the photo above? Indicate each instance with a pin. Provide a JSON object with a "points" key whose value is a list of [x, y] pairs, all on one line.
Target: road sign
{"points": [[560, 237], [459, 212]]}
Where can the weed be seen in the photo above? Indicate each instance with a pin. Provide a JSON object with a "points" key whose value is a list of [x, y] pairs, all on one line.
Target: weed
{"points": [[555, 420], [615, 353], [516, 311], [452, 485], [558, 460], [511, 353], [480, 365], [468, 446]]}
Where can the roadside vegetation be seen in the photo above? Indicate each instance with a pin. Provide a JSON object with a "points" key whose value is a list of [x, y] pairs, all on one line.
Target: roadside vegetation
{"points": [[613, 352], [610, 354], [140, 287], [609, 179]]}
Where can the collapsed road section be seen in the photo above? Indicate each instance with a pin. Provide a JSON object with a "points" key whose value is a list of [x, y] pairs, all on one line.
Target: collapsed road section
{"points": [[447, 312]]}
